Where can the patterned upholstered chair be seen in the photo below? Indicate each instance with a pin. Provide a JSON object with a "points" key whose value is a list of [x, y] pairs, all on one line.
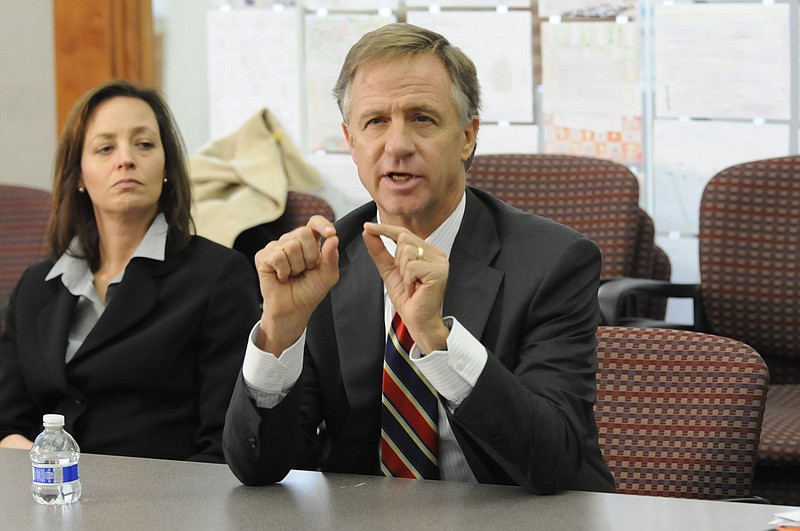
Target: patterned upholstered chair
{"points": [[750, 290], [24, 215], [598, 197], [679, 412], [649, 261], [299, 209]]}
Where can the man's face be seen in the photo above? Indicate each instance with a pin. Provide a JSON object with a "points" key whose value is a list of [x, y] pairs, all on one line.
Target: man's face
{"points": [[406, 138]]}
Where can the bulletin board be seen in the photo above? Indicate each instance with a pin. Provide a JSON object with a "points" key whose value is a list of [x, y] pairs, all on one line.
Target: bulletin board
{"points": [[253, 55], [286, 55], [615, 79], [327, 41], [587, 8], [592, 103], [744, 58], [505, 72], [729, 104]]}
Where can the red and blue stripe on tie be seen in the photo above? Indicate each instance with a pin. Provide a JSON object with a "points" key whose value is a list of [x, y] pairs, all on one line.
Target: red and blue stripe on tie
{"points": [[410, 414]]}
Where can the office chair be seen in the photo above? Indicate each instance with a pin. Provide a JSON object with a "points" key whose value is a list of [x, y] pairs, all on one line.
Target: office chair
{"points": [[679, 412], [749, 290], [24, 216], [597, 197], [649, 261]]}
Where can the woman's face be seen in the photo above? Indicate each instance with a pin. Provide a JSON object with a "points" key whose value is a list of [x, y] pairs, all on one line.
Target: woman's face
{"points": [[122, 164]]}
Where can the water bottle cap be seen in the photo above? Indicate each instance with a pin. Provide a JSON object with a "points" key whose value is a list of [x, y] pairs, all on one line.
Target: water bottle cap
{"points": [[53, 419]]}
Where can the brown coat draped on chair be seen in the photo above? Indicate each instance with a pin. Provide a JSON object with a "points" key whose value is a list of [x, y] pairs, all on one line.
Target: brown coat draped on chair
{"points": [[242, 180]]}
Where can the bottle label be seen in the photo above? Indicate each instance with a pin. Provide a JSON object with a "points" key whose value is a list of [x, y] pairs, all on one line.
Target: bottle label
{"points": [[50, 475]]}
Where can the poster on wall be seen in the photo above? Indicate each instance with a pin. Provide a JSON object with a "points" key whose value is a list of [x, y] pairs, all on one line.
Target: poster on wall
{"points": [[505, 72], [235, 4], [617, 138], [739, 65], [591, 90], [253, 55], [327, 41], [469, 3], [351, 5], [588, 8]]}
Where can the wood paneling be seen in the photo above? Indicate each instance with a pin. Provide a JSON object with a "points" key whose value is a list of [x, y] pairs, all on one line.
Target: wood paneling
{"points": [[99, 40]]}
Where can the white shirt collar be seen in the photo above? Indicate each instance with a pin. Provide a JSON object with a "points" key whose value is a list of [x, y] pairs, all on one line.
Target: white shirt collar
{"points": [[75, 273], [445, 234]]}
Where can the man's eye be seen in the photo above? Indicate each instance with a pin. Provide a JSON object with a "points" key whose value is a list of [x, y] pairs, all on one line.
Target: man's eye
{"points": [[374, 121], [422, 118]]}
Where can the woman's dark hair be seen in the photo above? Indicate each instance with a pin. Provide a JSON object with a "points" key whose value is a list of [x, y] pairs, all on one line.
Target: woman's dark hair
{"points": [[73, 214]]}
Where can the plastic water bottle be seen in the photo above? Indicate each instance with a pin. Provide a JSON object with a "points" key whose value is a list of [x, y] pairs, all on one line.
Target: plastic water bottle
{"points": [[54, 459]]}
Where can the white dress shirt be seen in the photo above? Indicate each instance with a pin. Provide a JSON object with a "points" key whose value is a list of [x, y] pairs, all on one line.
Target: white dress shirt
{"points": [[452, 372]]}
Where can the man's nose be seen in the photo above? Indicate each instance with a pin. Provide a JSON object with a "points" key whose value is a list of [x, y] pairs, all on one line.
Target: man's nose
{"points": [[399, 141]]}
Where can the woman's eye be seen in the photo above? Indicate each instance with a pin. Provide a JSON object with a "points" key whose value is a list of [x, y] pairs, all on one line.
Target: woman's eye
{"points": [[146, 145], [105, 150]]}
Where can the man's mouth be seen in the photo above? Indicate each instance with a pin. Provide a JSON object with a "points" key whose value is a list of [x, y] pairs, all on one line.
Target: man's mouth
{"points": [[399, 177]]}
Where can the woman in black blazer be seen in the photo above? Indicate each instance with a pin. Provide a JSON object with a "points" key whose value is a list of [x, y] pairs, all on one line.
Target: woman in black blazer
{"points": [[134, 328]]}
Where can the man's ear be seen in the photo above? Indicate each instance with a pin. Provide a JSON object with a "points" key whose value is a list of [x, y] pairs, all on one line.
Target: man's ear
{"points": [[349, 138], [470, 135]]}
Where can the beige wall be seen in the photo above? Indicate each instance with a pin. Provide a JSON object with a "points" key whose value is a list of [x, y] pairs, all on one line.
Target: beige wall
{"points": [[27, 93]]}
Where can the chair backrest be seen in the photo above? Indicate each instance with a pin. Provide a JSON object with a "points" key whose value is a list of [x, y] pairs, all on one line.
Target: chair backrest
{"points": [[598, 197], [750, 259], [299, 209], [24, 216], [679, 413], [650, 261]]}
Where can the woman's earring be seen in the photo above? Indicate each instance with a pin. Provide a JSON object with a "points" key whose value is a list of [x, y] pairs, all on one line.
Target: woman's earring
{"points": [[165, 179], [81, 189]]}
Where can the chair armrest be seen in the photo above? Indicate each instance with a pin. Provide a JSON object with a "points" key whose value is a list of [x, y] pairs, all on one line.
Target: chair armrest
{"points": [[612, 294]]}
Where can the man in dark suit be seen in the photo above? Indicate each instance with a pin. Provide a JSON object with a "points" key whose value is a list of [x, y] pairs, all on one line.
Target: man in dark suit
{"points": [[501, 305]]}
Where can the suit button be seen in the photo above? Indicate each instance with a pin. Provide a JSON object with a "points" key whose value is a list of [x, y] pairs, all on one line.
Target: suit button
{"points": [[251, 441], [78, 402], [498, 438]]}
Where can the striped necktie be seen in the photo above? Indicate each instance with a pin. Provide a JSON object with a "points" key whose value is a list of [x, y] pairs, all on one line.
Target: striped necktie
{"points": [[410, 413]]}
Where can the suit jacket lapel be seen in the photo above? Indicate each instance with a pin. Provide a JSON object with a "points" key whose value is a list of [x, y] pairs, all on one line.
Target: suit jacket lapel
{"points": [[473, 283], [134, 299], [53, 326], [357, 303]]}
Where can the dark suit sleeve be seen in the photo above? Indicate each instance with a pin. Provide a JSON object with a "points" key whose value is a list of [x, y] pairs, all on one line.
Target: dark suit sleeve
{"points": [[529, 418], [18, 413], [231, 311], [255, 454], [262, 444]]}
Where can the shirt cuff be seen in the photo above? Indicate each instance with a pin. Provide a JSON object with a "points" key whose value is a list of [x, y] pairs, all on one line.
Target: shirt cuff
{"points": [[265, 374], [453, 372]]}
